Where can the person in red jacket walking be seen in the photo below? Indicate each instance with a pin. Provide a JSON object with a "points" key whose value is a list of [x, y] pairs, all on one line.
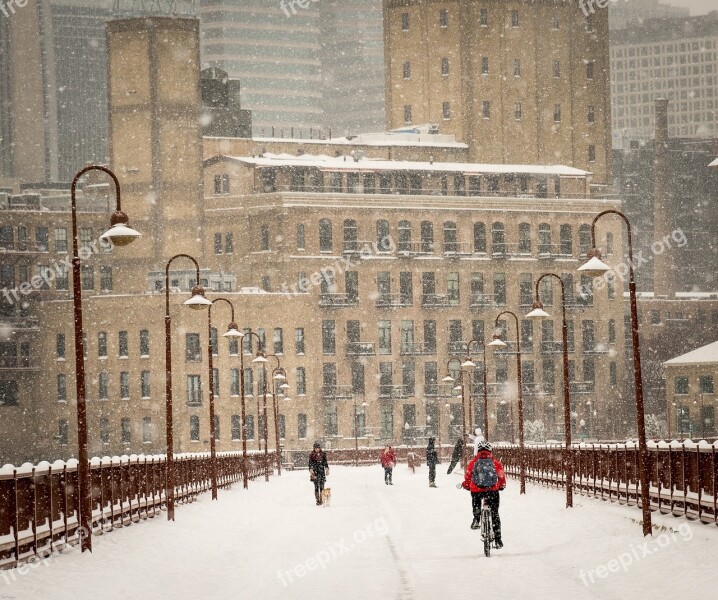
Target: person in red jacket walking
{"points": [[388, 461], [485, 478]]}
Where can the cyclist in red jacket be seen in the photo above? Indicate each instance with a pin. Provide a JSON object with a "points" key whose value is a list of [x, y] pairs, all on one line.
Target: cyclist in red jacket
{"points": [[485, 478]]}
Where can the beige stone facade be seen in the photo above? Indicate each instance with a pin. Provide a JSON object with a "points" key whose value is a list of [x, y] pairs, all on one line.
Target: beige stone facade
{"points": [[519, 82]]}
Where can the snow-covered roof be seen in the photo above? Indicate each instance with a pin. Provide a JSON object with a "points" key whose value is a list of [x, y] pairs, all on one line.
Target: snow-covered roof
{"points": [[678, 296], [704, 355], [348, 163], [714, 163]]}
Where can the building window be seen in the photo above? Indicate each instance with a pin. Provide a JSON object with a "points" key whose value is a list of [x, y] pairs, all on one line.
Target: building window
{"points": [[589, 23], [328, 337], [302, 426], [518, 114], [61, 388], [517, 67], [611, 331], [144, 342], [42, 238], [236, 426], [591, 116], [484, 65], [405, 21], [125, 430], [450, 235], [446, 110], [705, 384], [62, 282], [105, 430], [249, 427], [146, 430], [514, 18], [500, 289], [248, 381], [486, 109], [9, 392], [681, 386], [102, 386], [444, 66], [124, 350], [483, 17], [480, 238], [591, 153], [407, 70], [278, 341], [102, 344], [124, 385], [589, 69], [62, 432], [557, 113], [145, 384], [325, 235], [194, 428], [218, 243], [216, 428], [407, 113], [229, 243], [194, 390], [301, 381], [300, 236], [61, 239], [60, 345], [105, 279], [444, 17], [88, 277], [655, 317], [299, 340], [554, 23], [264, 238], [193, 351], [556, 69]]}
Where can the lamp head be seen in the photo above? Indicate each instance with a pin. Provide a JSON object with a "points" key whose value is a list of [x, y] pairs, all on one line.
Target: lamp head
{"points": [[233, 331], [279, 376], [120, 233], [284, 386], [594, 266], [448, 379], [260, 358], [497, 342], [468, 363], [537, 312], [198, 301]]}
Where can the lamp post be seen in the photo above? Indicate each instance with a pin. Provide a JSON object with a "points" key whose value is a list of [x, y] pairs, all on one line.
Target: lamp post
{"points": [[450, 379], [232, 331], [262, 359], [245, 471], [119, 234], [470, 364], [356, 431], [497, 343], [538, 313], [278, 374], [595, 267], [196, 302]]}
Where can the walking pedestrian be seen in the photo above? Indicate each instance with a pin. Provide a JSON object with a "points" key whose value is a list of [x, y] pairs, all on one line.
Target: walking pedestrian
{"points": [[388, 461], [455, 456], [318, 470], [432, 459]]}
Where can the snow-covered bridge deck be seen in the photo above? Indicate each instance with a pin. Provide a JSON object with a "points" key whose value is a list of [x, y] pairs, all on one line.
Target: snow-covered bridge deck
{"points": [[405, 541]]}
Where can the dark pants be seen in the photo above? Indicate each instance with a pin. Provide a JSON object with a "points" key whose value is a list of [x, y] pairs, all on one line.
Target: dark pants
{"points": [[493, 500], [319, 485], [432, 472], [387, 474]]}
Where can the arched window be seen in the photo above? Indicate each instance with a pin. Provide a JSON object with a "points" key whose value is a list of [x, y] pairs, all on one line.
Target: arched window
{"points": [[404, 236], [480, 238], [566, 240], [544, 238], [584, 239], [450, 235], [427, 237], [383, 236], [524, 238], [350, 236], [325, 235], [498, 238]]}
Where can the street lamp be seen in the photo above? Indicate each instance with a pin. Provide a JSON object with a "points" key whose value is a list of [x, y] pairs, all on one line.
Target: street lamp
{"points": [[595, 267], [245, 471], [356, 431], [278, 374], [261, 359], [232, 331], [196, 302], [450, 379], [469, 364], [498, 343], [119, 234], [538, 313]]}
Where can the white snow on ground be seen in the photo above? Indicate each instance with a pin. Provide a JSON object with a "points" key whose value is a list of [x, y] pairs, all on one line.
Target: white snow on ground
{"points": [[404, 542]]}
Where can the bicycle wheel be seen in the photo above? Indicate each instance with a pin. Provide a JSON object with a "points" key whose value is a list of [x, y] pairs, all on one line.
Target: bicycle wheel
{"points": [[486, 531]]}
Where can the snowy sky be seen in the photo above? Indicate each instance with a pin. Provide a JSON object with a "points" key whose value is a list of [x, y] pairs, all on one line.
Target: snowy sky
{"points": [[697, 7]]}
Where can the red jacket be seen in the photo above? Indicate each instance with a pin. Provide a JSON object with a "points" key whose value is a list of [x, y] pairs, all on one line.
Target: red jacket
{"points": [[469, 483], [388, 459]]}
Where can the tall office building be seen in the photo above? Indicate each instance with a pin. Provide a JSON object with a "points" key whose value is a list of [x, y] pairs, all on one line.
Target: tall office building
{"points": [[676, 59], [518, 81]]}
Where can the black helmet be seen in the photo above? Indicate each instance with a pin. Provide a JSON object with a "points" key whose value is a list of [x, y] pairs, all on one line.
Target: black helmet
{"points": [[483, 445], [317, 445]]}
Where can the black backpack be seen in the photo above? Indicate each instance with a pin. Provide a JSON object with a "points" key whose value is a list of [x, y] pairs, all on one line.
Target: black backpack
{"points": [[484, 474]]}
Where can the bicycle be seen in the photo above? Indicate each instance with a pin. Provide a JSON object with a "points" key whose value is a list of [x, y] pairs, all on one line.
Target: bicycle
{"points": [[486, 526]]}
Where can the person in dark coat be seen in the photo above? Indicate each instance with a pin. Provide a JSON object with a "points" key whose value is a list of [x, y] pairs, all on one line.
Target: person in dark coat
{"points": [[432, 459], [455, 456], [318, 470]]}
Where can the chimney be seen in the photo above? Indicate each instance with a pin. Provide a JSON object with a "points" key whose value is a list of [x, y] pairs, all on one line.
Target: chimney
{"points": [[664, 275]]}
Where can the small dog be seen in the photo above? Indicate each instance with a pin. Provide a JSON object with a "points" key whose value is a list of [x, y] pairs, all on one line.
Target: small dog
{"points": [[326, 496]]}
